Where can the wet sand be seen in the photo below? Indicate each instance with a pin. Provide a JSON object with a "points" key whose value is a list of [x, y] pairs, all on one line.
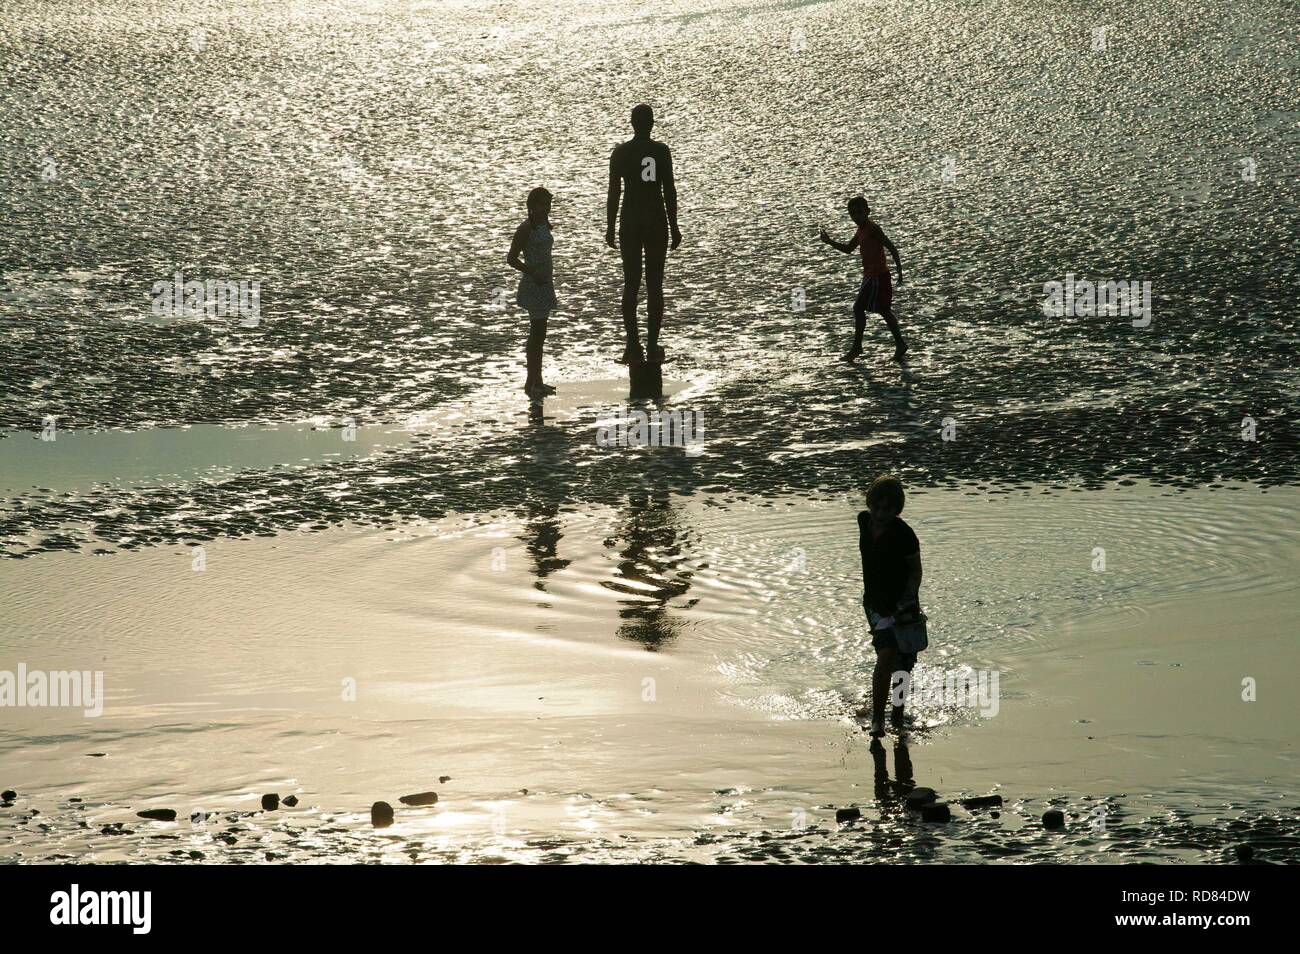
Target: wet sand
{"points": [[513, 657]]}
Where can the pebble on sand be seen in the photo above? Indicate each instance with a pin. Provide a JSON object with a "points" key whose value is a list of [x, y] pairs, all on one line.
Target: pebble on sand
{"points": [[270, 802], [8, 795], [847, 814], [420, 798], [290, 800], [444, 779], [982, 801], [919, 797], [936, 812], [158, 814], [381, 814], [1053, 818]]}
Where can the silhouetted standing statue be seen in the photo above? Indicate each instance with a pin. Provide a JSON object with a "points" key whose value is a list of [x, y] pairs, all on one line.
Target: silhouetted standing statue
{"points": [[641, 171]]}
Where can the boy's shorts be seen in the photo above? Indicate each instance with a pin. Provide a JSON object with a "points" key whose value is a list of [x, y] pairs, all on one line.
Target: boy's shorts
{"points": [[876, 294], [885, 639]]}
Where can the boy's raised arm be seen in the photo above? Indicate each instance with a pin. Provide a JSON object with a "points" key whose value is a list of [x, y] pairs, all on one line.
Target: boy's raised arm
{"points": [[845, 247]]}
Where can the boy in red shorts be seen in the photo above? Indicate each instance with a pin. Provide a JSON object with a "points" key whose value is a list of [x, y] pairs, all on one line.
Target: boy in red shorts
{"points": [[877, 292]]}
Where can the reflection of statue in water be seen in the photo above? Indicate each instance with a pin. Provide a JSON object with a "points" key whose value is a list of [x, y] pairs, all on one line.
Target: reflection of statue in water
{"points": [[650, 541], [541, 537]]}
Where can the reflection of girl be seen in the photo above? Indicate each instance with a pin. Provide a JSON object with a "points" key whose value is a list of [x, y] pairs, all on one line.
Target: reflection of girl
{"points": [[891, 579], [536, 288]]}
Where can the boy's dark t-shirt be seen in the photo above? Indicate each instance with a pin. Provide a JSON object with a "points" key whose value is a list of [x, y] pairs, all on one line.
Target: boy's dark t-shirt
{"points": [[869, 238], [884, 565]]}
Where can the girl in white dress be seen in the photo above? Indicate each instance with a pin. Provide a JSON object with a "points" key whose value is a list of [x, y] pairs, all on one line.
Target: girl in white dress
{"points": [[536, 286]]}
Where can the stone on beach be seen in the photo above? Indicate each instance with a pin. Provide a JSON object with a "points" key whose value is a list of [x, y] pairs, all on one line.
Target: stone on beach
{"points": [[1053, 818], [936, 812], [158, 814], [289, 800], [270, 802], [981, 801], [381, 814], [919, 797], [420, 798], [8, 795], [847, 814]]}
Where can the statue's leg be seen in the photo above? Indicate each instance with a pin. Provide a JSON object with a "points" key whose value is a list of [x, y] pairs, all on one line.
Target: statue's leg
{"points": [[656, 251], [630, 245]]}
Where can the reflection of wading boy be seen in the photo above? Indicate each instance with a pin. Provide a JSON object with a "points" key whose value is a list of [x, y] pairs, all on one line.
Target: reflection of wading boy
{"points": [[877, 291], [891, 580]]}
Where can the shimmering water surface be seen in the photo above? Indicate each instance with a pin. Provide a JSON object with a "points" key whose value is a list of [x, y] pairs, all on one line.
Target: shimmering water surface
{"points": [[670, 680], [367, 162]]}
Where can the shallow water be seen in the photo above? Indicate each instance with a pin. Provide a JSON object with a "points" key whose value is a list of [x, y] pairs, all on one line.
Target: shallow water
{"points": [[367, 162], [671, 680]]}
